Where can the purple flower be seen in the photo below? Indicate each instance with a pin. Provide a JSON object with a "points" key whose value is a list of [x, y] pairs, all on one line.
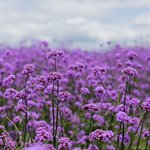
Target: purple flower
{"points": [[77, 67], [146, 133], [110, 147], [20, 106], [99, 119], [93, 147], [107, 135], [85, 91], [132, 55], [8, 81], [10, 93], [41, 80], [55, 54], [50, 89], [43, 132], [91, 107], [129, 71], [64, 96], [146, 105], [16, 119], [10, 144], [97, 71], [28, 69], [53, 76], [101, 135], [134, 101], [64, 143], [40, 146], [126, 138], [99, 91], [121, 116]]}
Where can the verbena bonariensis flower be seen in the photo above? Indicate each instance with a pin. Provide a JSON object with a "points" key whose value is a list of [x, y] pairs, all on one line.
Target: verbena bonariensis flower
{"points": [[121, 116], [77, 67], [49, 102], [93, 147], [132, 55], [20, 106], [64, 143], [43, 132], [37, 146], [101, 135], [134, 101], [146, 105], [99, 91], [91, 107], [55, 54], [130, 71], [97, 71], [53, 76], [8, 81], [64, 96], [10, 93], [85, 91], [28, 69]]}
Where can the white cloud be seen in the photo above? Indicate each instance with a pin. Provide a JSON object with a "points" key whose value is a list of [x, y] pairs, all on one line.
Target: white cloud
{"points": [[82, 22]]}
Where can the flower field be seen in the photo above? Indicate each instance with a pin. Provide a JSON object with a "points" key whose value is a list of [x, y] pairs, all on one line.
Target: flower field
{"points": [[74, 100]]}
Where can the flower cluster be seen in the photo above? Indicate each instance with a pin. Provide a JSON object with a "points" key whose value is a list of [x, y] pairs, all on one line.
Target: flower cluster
{"points": [[101, 135], [73, 101], [91, 107], [8, 81], [130, 71], [28, 69], [64, 96], [146, 105], [55, 54], [64, 143]]}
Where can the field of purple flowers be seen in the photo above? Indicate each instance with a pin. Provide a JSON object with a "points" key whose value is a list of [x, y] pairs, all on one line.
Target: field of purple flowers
{"points": [[74, 100]]}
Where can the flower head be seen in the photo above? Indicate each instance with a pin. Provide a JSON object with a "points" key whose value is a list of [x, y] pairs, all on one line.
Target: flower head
{"points": [[28, 69], [146, 105], [55, 54]]}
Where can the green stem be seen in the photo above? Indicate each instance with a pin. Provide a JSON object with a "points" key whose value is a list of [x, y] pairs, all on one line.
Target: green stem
{"points": [[136, 131], [53, 112], [140, 133]]}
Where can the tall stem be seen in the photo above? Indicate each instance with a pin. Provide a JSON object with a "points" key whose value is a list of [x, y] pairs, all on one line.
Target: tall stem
{"points": [[57, 103], [53, 113], [26, 113], [136, 131], [105, 89], [118, 137], [123, 128], [140, 133]]}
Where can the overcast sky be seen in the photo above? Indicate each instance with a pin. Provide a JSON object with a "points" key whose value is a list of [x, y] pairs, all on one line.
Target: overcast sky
{"points": [[79, 23]]}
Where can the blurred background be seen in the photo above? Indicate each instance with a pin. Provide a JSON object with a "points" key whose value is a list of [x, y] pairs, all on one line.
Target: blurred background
{"points": [[87, 24]]}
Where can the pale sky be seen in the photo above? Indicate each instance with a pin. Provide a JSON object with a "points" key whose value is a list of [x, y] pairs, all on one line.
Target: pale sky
{"points": [[79, 23]]}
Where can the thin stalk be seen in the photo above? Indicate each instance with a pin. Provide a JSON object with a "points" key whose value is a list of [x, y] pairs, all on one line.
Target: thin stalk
{"points": [[136, 131], [140, 133], [57, 111], [123, 128], [105, 89], [90, 125], [146, 144], [26, 113], [15, 128], [118, 137], [123, 133], [61, 123], [53, 112], [57, 103], [111, 121]]}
